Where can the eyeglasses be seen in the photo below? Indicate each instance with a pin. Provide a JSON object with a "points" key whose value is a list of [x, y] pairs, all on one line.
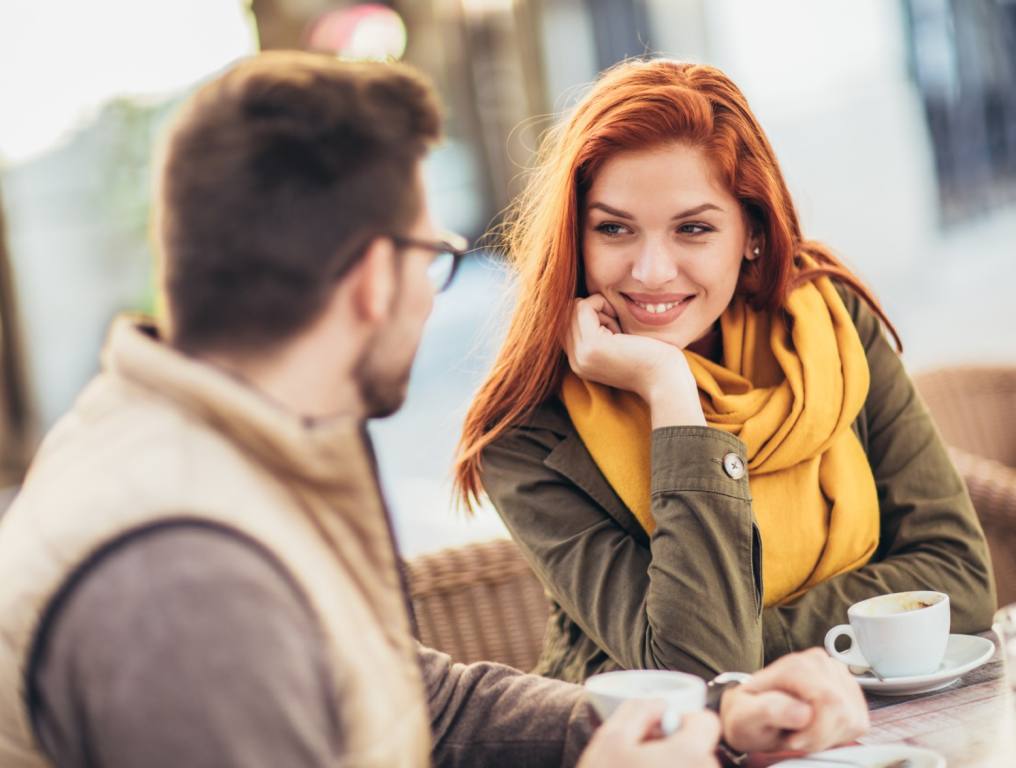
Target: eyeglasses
{"points": [[447, 255]]}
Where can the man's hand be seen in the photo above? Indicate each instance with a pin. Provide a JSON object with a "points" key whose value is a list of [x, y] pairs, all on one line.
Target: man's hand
{"points": [[631, 738], [804, 702]]}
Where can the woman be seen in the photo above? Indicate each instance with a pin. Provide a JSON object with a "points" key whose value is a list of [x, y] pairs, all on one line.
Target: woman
{"points": [[695, 429]]}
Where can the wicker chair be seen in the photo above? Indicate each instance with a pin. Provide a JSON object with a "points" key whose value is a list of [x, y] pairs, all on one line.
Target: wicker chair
{"points": [[479, 602], [975, 409]]}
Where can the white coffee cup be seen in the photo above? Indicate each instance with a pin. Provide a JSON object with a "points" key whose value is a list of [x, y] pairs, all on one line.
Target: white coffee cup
{"points": [[682, 693], [899, 635]]}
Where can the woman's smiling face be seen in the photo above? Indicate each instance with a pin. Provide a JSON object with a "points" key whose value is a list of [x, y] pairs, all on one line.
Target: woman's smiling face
{"points": [[663, 242]]}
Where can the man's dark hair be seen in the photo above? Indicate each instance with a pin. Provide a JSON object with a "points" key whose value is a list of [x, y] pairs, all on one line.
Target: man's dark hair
{"points": [[276, 177]]}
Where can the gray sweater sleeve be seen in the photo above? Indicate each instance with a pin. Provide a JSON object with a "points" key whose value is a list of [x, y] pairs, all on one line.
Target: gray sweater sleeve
{"points": [[184, 646], [492, 715]]}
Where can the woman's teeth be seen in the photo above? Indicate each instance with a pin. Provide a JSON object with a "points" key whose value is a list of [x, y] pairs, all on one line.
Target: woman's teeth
{"points": [[657, 309]]}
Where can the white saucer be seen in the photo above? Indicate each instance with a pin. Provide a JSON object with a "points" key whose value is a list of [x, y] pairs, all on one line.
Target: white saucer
{"points": [[874, 756], [963, 653]]}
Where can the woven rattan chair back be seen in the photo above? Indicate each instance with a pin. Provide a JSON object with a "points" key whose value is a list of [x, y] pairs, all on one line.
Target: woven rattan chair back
{"points": [[479, 602], [975, 409]]}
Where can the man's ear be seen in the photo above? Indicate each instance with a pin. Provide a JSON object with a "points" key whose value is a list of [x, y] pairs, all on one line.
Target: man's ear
{"points": [[373, 281]]}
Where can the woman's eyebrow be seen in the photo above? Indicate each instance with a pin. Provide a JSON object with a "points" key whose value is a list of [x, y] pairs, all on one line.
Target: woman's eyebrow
{"points": [[684, 214], [612, 211], [697, 210]]}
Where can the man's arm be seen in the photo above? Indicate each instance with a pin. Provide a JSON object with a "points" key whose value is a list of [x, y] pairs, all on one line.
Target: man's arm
{"points": [[184, 646], [492, 715]]}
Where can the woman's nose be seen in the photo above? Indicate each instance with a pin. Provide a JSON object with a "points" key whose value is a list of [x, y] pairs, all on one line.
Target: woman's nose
{"points": [[655, 267]]}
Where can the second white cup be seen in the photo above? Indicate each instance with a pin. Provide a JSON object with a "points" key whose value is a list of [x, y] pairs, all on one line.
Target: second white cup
{"points": [[682, 693], [900, 635]]}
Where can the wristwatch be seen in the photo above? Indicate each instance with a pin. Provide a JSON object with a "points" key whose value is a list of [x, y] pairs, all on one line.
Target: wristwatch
{"points": [[723, 682], [715, 689]]}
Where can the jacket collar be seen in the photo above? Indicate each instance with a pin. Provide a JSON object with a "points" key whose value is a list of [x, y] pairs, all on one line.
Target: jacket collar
{"points": [[326, 451], [571, 459]]}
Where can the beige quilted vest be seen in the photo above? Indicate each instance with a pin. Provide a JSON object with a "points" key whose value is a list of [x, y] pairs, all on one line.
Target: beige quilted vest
{"points": [[157, 437]]}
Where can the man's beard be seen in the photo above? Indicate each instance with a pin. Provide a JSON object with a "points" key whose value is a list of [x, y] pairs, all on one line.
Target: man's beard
{"points": [[381, 379], [382, 383]]}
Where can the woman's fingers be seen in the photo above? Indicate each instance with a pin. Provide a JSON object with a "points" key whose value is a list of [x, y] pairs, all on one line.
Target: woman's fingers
{"points": [[608, 308], [605, 315], [587, 312], [588, 323], [571, 334], [608, 322]]}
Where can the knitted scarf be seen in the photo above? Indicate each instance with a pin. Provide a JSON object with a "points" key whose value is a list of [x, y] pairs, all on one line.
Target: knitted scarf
{"points": [[789, 387]]}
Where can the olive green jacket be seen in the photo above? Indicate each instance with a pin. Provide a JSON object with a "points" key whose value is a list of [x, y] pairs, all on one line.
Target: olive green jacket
{"points": [[689, 597]]}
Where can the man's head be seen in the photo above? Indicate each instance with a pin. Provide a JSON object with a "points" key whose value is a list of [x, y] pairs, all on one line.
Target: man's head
{"points": [[283, 185]]}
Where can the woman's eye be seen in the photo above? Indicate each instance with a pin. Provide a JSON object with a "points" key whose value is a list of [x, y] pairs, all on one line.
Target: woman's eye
{"points": [[611, 229], [694, 229]]}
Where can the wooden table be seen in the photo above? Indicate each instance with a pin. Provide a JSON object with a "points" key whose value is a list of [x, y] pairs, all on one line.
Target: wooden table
{"points": [[972, 723]]}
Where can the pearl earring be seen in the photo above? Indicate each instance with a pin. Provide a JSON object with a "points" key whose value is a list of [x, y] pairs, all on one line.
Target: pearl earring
{"points": [[756, 251]]}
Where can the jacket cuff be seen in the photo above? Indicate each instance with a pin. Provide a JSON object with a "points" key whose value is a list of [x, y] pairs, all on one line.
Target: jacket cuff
{"points": [[699, 459]]}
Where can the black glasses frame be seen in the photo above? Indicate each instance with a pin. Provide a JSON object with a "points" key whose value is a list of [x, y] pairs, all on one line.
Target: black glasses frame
{"points": [[456, 245]]}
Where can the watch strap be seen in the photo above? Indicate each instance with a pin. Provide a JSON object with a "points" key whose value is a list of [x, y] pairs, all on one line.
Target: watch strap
{"points": [[715, 689]]}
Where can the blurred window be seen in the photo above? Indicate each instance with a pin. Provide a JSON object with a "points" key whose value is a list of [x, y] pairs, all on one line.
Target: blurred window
{"points": [[963, 55]]}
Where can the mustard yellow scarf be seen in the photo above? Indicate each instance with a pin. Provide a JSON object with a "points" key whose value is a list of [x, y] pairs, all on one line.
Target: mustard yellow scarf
{"points": [[790, 391]]}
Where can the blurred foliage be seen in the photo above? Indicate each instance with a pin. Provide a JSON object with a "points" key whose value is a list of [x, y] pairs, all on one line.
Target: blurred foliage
{"points": [[128, 132]]}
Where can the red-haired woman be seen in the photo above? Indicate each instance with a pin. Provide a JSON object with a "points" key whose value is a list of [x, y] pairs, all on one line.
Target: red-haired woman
{"points": [[695, 429]]}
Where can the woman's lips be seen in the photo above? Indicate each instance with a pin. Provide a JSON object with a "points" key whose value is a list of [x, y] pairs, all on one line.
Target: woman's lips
{"points": [[646, 308]]}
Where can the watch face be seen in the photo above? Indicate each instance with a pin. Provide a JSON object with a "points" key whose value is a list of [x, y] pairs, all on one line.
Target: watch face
{"points": [[715, 690], [731, 677]]}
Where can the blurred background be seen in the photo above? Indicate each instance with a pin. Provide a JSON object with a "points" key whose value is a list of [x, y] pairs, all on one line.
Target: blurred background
{"points": [[894, 120]]}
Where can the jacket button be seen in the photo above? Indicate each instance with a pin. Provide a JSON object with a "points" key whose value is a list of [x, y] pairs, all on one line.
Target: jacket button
{"points": [[733, 465]]}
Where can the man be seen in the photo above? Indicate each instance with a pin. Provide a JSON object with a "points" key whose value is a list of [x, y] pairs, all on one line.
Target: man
{"points": [[200, 570]]}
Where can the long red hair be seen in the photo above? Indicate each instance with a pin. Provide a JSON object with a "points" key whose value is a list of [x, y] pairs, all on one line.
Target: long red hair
{"points": [[634, 105]]}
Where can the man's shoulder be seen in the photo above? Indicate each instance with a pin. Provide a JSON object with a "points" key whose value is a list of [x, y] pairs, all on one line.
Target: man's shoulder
{"points": [[171, 574], [132, 433], [167, 555], [177, 621]]}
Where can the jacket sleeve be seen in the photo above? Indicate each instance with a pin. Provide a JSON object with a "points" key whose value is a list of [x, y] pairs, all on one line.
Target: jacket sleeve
{"points": [[492, 715], [930, 536], [691, 599]]}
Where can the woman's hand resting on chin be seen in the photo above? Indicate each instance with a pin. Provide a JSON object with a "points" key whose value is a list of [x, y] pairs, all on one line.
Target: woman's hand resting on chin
{"points": [[657, 372]]}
